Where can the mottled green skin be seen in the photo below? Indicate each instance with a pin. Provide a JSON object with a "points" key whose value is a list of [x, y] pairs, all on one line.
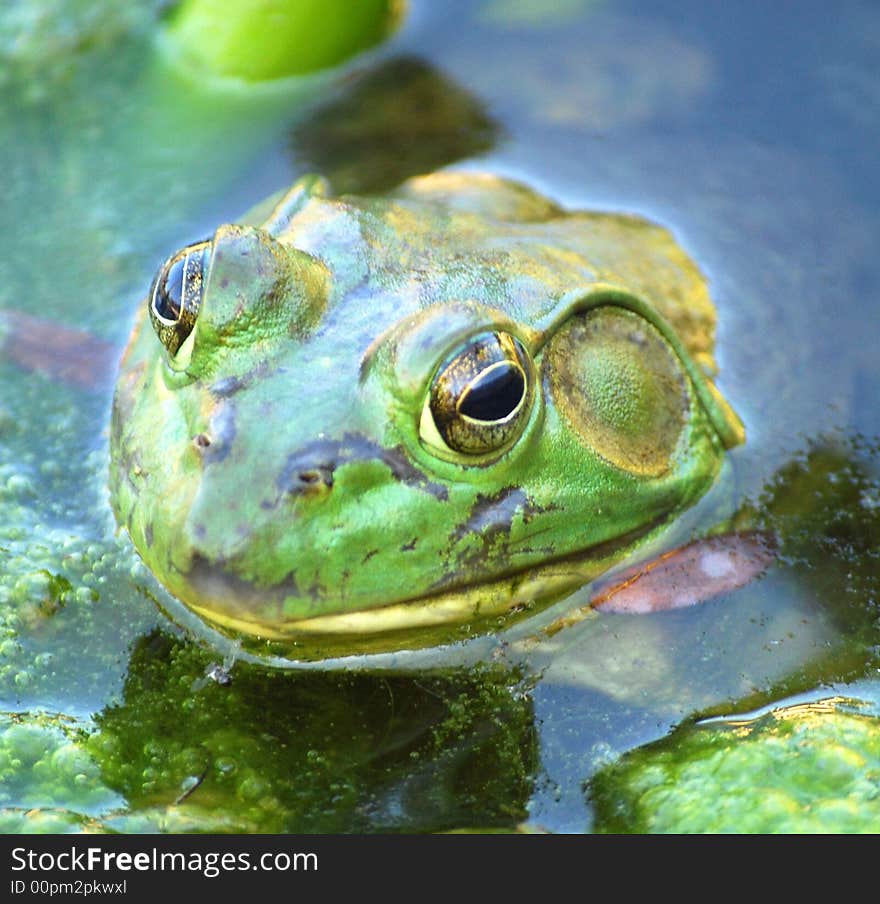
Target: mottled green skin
{"points": [[314, 350]]}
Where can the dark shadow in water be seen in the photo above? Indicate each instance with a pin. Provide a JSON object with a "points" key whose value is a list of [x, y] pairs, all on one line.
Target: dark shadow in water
{"points": [[824, 508], [399, 119], [315, 752]]}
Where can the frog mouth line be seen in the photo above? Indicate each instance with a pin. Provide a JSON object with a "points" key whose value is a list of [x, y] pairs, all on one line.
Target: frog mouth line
{"points": [[519, 592]]}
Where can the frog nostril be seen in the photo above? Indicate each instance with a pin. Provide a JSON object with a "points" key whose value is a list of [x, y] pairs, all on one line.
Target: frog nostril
{"points": [[314, 479], [310, 471]]}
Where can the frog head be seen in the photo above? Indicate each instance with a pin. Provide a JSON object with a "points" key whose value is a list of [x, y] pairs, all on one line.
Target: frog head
{"points": [[370, 423]]}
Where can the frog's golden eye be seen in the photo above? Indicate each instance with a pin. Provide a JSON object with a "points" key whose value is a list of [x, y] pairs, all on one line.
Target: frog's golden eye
{"points": [[176, 295], [479, 399]]}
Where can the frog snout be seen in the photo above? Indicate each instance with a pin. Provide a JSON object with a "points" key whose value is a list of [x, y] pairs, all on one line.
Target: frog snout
{"points": [[353, 465]]}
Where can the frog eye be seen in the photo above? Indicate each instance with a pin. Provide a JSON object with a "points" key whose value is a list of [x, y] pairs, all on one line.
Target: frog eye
{"points": [[479, 399], [176, 295]]}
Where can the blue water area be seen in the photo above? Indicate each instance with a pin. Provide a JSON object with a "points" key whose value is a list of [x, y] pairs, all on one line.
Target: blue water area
{"points": [[750, 130]]}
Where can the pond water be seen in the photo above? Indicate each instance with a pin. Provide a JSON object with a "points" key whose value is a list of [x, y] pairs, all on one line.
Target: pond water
{"points": [[750, 131]]}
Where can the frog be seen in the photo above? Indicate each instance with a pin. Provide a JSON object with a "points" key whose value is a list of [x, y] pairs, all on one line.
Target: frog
{"points": [[353, 424]]}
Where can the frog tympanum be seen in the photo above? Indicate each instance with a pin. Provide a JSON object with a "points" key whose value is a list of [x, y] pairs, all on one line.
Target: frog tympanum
{"points": [[370, 423]]}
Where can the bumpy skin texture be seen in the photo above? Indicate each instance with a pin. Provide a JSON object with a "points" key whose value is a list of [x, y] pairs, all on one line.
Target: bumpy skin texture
{"points": [[277, 471], [808, 768]]}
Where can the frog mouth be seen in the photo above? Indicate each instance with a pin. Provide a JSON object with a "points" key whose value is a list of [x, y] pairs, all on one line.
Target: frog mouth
{"points": [[467, 608]]}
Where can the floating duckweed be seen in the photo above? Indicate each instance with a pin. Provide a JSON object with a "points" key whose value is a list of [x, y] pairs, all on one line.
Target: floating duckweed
{"points": [[72, 759], [60, 555], [20, 485], [747, 774], [870, 499], [225, 766], [32, 584], [43, 763], [35, 821], [152, 750], [193, 760], [84, 595]]}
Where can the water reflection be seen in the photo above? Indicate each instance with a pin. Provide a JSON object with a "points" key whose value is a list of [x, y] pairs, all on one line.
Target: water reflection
{"points": [[708, 126], [315, 752], [812, 620], [487, 746], [400, 118]]}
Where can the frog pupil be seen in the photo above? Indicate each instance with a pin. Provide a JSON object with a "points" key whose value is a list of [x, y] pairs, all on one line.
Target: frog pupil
{"points": [[169, 298], [494, 394]]}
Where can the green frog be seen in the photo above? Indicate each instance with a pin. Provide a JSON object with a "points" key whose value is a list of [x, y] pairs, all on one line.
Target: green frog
{"points": [[361, 424]]}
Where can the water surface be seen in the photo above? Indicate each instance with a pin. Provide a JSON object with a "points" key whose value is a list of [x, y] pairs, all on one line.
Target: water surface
{"points": [[750, 131]]}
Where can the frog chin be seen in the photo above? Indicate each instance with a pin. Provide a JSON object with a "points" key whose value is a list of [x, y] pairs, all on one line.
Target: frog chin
{"points": [[229, 603], [471, 606]]}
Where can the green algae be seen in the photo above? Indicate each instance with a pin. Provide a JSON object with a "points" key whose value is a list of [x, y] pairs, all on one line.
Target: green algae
{"points": [[811, 768]]}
